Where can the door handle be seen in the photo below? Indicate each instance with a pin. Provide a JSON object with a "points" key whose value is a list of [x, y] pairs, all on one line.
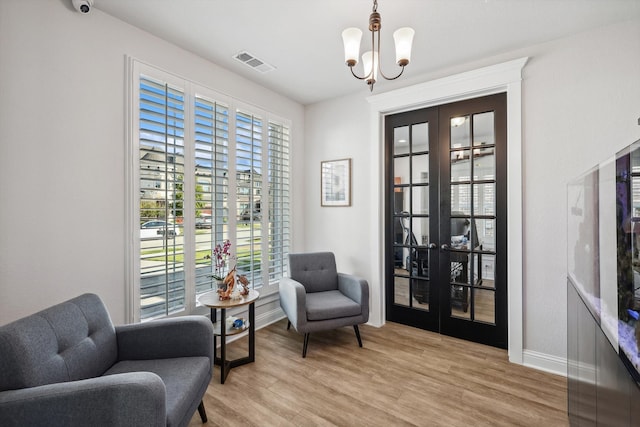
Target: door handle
{"points": [[445, 247], [432, 246]]}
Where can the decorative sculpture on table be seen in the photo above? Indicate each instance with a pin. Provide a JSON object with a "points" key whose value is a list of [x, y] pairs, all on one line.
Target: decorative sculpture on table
{"points": [[235, 286]]}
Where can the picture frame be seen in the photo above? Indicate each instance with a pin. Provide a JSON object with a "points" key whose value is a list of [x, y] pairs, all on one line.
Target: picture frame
{"points": [[335, 182]]}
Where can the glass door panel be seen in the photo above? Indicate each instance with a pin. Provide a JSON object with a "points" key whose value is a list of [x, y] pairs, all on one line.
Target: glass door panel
{"points": [[420, 169], [460, 132], [410, 209], [484, 164], [460, 166], [446, 223], [461, 199]]}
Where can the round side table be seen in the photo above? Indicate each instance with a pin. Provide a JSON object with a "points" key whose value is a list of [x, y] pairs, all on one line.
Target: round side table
{"points": [[220, 328]]}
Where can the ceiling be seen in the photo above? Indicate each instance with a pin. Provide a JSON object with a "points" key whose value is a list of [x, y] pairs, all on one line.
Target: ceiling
{"points": [[302, 38]]}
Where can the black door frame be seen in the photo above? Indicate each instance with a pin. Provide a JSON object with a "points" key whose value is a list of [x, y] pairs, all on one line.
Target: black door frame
{"points": [[441, 321]]}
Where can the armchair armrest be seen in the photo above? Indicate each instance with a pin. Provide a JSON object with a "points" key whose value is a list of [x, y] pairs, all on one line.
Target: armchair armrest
{"points": [[183, 336], [357, 289], [293, 300], [136, 398]]}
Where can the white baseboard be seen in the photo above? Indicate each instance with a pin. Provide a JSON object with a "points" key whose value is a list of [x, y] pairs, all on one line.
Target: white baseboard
{"points": [[545, 362], [268, 317]]}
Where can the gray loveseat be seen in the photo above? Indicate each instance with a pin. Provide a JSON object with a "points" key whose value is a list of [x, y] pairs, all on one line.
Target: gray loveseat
{"points": [[69, 366]]}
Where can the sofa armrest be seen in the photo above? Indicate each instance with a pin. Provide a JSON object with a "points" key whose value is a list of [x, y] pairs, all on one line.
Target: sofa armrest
{"points": [[136, 398], [355, 288], [183, 336], [293, 300]]}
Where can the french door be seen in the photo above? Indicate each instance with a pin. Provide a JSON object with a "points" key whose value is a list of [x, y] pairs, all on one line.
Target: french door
{"points": [[445, 245]]}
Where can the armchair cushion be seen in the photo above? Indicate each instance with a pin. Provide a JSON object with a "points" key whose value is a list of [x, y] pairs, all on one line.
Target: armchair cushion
{"points": [[331, 305], [316, 271], [184, 379]]}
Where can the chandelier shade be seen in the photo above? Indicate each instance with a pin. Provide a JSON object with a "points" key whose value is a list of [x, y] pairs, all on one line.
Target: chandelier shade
{"points": [[403, 39], [351, 37], [370, 66]]}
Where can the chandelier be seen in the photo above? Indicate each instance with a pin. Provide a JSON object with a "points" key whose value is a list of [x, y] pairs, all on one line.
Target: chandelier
{"points": [[403, 38]]}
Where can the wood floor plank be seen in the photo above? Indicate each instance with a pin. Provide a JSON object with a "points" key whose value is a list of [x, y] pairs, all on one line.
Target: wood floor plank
{"points": [[402, 376]]}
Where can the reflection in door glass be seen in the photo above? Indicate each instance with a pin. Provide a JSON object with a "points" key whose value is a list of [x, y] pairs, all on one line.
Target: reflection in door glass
{"points": [[401, 140], [459, 267], [420, 169], [420, 203], [484, 199], [420, 138], [420, 229], [485, 234], [460, 132], [461, 198], [485, 270], [484, 303], [401, 294], [401, 170], [484, 164], [420, 289], [460, 302], [460, 166], [483, 129]]}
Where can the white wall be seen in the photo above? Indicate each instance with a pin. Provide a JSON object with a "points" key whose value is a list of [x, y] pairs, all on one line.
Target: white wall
{"points": [[62, 86], [580, 105], [339, 132]]}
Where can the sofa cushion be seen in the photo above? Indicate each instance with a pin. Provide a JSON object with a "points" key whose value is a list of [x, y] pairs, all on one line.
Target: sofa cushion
{"points": [[70, 341], [331, 305], [183, 377]]}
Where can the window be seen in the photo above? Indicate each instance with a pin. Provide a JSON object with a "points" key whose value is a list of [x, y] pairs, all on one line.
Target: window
{"points": [[203, 168], [279, 224]]}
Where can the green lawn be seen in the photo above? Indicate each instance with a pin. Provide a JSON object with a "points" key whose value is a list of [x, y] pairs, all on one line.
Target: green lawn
{"points": [[175, 255]]}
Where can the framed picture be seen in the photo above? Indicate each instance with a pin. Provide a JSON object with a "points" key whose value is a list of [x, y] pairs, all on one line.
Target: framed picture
{"points": [[335, 182]]}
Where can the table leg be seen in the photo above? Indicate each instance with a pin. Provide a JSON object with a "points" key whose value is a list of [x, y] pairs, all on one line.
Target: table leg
{"points": [[223, 345], [215, 337], [252, 332]]}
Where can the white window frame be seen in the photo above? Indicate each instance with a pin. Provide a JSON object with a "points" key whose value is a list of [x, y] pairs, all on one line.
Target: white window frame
{"points": [[132, 179]]}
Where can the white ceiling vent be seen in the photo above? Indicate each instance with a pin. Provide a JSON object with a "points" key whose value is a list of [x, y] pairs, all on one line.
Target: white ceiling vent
{"points": [[253, 62]]}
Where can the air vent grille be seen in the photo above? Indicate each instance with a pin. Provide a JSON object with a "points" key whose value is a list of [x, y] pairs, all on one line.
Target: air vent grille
{"points": [[253, 62]]}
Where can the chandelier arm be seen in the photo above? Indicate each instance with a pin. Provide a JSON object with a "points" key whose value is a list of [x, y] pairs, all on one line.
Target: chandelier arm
{"points": [[380, 65], [357, 76], [391, 78]]}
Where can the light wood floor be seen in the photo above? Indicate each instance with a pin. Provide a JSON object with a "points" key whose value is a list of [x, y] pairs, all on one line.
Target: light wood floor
{"points": [[401, 377]]}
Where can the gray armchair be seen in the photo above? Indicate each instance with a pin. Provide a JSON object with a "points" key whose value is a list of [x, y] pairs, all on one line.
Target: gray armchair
{"points": [[316, 297], [69, 366]]}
